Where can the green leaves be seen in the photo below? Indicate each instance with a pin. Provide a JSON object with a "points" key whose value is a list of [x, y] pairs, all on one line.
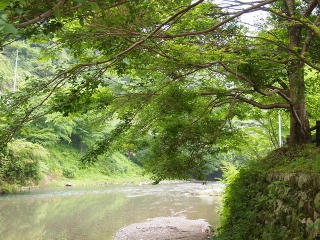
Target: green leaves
{"points": [[184, 70], [4, 26], [7, 28], [57, 14], [95, 7], [24, 162], [4, 4]]}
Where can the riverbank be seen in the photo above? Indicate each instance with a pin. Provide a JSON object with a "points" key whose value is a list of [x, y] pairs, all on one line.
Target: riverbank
{"points": [[274, 198], [61, 164], [213, 189], [98, 179], [65, 182]]}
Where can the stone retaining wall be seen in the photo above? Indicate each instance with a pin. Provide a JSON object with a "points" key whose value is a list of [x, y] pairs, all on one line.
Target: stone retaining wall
{"points": [[293, 204]]}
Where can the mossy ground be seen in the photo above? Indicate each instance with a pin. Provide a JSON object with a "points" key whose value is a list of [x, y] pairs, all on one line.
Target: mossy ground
{"points": [[301, 159]]}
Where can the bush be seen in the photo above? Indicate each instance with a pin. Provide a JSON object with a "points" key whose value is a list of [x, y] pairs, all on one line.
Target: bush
{"points": [[21, 163], [69, 172], [117, 163], [237, 220]]}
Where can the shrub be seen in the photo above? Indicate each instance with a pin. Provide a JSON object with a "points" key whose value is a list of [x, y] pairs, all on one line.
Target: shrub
{"points": [[21, 163]]}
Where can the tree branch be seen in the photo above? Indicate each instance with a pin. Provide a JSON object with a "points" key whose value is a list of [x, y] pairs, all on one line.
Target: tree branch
{"points": [[226, 117], [262, 106], [252, 84], [311, 26], [309, 38], [311, 6], [42, 16], [250, 9]]}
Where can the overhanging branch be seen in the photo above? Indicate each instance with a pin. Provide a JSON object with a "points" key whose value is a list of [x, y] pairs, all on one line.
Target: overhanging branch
{"points": [[41, 16], [262, 106], [252, 84], [250, 9]]}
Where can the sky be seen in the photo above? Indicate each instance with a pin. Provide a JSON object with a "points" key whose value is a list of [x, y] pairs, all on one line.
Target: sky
{"points": [[248, 18]]}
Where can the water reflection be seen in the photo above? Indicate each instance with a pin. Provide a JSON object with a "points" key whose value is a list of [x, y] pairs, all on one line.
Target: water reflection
{"points": [[98, 212]]}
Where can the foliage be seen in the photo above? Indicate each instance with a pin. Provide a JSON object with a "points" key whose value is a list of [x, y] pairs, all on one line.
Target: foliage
{"points": [[23, 18], [27, 164], [48, 130], [243, 206], [21, 164], [187, 73], [229, 172], [304, 159], [114, 164], [108, 168], [172, 117], [237, 222], [29, 64]]}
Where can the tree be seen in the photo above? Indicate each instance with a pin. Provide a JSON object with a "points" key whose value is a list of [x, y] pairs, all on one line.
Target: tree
{"points": [[181, 46], [176, 55], [21, 19], [295, 43]]}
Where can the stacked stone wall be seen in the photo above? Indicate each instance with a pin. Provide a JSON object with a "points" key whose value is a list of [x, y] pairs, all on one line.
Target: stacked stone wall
{"points": [[293, 205]]}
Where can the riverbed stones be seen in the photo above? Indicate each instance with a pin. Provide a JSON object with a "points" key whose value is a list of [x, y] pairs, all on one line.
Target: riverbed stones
{"points": [[166, 228], [69, 184]]}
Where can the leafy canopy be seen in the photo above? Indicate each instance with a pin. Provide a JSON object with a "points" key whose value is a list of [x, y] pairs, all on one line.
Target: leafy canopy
{"points": [[187, 71]]}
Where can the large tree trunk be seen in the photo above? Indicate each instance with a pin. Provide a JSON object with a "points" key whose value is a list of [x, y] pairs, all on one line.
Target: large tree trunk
{"points": [[299, 122]]}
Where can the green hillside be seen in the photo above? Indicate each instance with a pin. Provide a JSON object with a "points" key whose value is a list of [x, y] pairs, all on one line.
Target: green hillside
{"points": [[47, 150]]}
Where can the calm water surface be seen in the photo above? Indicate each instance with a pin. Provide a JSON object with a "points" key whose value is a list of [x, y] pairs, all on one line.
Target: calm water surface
{"points": [[94, 213]]}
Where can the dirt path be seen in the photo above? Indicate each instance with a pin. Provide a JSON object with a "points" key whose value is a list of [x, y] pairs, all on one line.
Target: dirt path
{"points": [[165, 228]]}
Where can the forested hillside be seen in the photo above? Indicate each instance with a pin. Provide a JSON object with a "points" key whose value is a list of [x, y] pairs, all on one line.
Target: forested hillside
{"points": [[47, 149]]}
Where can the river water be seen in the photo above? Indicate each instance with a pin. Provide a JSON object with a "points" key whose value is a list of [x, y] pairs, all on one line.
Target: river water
{"points": [[98, 212]]}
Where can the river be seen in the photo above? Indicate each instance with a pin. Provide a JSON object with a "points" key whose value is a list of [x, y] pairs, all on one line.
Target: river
{"points": [[98, 212]]}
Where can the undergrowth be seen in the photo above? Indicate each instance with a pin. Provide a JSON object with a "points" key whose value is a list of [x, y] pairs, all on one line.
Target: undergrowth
{"points": [[108, 168], [28, 164], [242, 205]]}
